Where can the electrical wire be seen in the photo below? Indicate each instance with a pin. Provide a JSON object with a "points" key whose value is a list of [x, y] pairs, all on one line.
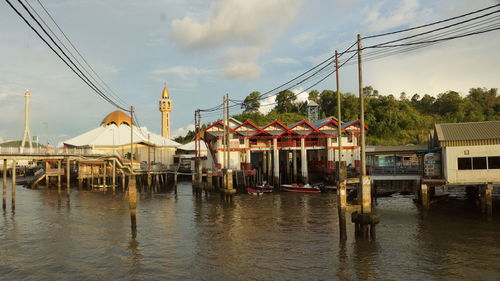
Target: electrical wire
{"points": [[79, 73], [430, 24]]}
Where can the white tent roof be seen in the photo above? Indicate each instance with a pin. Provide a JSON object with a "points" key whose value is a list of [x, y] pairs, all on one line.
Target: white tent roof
{"points": [[190, 146], [113, 135]]}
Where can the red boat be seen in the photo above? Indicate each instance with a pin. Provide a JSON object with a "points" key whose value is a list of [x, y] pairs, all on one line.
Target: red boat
{"points": [[254, 191], [300, 188], [265, 187]]}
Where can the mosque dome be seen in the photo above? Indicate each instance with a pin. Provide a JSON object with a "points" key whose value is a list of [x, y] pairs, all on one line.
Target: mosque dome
{"points": [[116, 117]]}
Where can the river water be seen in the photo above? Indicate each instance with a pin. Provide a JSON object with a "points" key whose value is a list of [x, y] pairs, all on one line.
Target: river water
{"points": [[281, 236]]}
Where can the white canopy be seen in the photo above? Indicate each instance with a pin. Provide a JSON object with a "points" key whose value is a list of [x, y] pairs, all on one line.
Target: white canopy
{"points": [[112, 135], [190, 146]]}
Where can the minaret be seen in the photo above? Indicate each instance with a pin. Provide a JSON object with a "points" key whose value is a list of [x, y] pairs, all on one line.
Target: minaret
{"points": [[165, 109], [26, 133]]}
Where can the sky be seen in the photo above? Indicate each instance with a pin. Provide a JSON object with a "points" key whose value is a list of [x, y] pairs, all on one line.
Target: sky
{"points": [[204, 49]]}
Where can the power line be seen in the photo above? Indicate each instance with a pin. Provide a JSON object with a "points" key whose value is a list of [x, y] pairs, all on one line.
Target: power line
{"points": [[80, 75], [430, 24], [106, 87]]}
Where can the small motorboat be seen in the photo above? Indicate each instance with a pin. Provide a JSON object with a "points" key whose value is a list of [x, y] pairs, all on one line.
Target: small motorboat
{"points": [[300, 188], [385, 193], [265, 187], [254, 191]]}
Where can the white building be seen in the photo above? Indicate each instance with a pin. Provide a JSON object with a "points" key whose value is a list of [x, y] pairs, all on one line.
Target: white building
{"points": [[113, 136], [470, 151]]}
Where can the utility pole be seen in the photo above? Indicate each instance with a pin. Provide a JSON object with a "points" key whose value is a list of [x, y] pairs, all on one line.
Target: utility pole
{"points": [[226, 132], [131, 136], [341, 169], [361, 110], [339, 112]]}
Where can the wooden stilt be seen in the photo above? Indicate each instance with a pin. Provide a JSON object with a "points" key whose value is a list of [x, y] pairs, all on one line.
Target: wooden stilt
{"points": [[59, 170], [132, 200], [4, 181], [113, 179], [13, 202], [68, 165]]}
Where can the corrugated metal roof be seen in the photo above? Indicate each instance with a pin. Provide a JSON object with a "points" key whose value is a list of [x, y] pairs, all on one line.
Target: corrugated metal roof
{"points": [[396, 148], [468, 131]]}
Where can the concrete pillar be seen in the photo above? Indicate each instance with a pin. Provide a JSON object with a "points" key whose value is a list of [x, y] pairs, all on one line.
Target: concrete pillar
{"points": [[330, 154], [248, 156], [264, 162], [303, 158], [199, 171], [4, 182], [59, 170], [287, 165], [425, 198], [13, 202], [149, 180], [366, 195], [294, 165], [113, 177], [175, 178], [269, 165], [68, 179], [80, 176], [276, 157], [132, 202], [228, 181]]}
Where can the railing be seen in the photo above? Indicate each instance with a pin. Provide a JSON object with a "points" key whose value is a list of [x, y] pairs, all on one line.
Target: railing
{"points": [[315, 143], [49, 150], [289, 143], [408, 170]]}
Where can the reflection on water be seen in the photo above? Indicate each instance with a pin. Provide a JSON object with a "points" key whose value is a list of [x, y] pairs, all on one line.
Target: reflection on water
{"points": [[86, 235]]}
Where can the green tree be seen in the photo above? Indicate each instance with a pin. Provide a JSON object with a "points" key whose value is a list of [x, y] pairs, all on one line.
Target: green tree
{"points": [[251, 104], [285, 101], [314, 96]]}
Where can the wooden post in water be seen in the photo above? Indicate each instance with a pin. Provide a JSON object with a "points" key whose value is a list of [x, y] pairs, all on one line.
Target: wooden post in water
{"points": [[113, 175], [132, 202], [342, 198], [104, 175], [13, 202], [68, 165], [4, 181], [424, 193], [123, 181], [488, 192], [59, 176], [209, 179]]}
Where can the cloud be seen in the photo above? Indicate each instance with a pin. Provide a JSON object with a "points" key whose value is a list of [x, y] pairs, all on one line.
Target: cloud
{"points": [[235, 23], [183, 131], [405, 12], [267, 104], [307, 39], [183, 71], [285, 61]]}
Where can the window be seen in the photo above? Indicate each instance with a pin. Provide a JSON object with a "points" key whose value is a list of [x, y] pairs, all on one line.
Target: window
{"points": [[465, 163], [479, 163], [494, 162], [242, 141]]}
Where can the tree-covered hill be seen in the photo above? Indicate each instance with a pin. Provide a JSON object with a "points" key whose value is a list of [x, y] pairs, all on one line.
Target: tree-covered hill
{"points": [[390, 120]]}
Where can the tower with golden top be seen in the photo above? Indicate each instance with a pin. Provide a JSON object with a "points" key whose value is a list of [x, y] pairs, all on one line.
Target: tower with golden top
{"points": [[165, 109]]}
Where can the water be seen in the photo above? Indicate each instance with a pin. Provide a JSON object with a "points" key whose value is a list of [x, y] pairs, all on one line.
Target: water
{"points": [[282, 236]]}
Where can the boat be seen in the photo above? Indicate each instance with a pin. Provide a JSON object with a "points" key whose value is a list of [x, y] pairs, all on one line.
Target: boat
{"points": [[254, 191], [300, 188], [265, 187], [385, 193]]}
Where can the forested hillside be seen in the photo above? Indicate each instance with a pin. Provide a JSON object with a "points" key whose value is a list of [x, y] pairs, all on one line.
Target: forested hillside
{"points": [[391, 120]]}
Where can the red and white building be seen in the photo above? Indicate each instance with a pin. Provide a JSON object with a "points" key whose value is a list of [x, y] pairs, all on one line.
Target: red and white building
{"points": [[285, 153]]}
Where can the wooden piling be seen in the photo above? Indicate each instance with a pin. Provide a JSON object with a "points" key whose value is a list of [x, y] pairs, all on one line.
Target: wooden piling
{"points": [[425, 198], [4, 181], [488, 191], [113, 179], [123, 181], [342, 198], [132, 201], [68, 165], [13, 202], [59, 176]]}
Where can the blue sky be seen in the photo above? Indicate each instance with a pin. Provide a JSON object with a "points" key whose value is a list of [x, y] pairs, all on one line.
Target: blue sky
{"points": [[205, 49]]}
